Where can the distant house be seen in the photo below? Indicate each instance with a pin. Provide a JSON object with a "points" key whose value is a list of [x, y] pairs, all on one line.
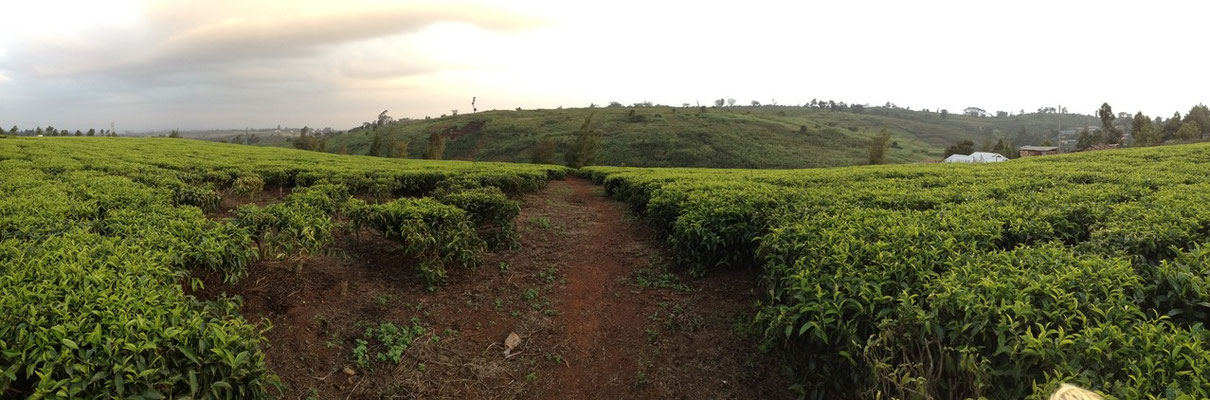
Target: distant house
{"points": [[976, 157], [1030, 151]]}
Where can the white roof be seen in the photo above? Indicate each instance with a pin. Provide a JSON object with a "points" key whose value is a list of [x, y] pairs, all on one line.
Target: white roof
{"points": [[958, 158], [980, 156], [976, 157]]}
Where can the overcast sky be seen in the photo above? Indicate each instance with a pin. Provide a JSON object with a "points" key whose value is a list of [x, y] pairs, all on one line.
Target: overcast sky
{"points": [[233, 64]]}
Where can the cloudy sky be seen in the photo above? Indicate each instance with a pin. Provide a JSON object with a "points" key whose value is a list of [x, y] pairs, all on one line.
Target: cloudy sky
{"points": [[232, 64]]}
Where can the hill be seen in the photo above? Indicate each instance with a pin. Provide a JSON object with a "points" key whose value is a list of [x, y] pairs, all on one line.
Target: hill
{"points": [[727, 137]]}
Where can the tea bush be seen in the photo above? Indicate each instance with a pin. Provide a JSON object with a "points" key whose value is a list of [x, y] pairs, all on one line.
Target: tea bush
{"points": [[99, 235], [953, 281]]}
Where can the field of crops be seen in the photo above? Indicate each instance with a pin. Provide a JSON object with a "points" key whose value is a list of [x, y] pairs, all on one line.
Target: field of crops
{"points": [[954, 281], [99, 236]]}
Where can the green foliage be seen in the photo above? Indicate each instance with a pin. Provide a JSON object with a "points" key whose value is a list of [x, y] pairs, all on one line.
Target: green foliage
{"points": [[878, 147], [544, 151], [437, 235], [964, 147], [394, 339], [588, 141], [1189, 131], [98, 236], [248, 186], [962, 281], [436, 147], [490, 210], [301, 224]]}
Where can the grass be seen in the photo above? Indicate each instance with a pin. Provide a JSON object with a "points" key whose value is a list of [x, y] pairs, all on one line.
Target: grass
{"points": [[737, 137]]}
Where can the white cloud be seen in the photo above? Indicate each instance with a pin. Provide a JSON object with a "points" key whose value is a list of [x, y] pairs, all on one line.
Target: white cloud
{"points": [[169, 63]]}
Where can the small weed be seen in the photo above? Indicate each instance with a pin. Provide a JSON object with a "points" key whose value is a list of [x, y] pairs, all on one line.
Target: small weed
{"points": [[395, 340], [550, 274], [530, 294], [656, 276], [542, 222], [641, 379], [383, 299], [499, 304], [312, 394], [504, 266], [653, 335], [361, 353], [532, 377]]}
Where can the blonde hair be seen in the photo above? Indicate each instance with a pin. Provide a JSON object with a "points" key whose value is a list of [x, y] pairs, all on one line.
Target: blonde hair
{"points": [[1070, 392]]}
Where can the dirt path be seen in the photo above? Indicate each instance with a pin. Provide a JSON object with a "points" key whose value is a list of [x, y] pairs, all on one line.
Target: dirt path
{"points": [[588, 290], [602, 321]]}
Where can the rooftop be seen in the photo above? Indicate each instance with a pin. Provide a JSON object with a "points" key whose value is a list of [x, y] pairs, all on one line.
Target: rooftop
{"points": [[1039, 148]]}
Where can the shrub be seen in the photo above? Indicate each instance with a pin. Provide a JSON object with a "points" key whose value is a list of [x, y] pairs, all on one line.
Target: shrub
{"points": [[489, 210], [437, 235]]}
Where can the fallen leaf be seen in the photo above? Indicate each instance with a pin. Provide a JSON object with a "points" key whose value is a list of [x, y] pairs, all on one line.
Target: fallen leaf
{"points": [[511, 342]]}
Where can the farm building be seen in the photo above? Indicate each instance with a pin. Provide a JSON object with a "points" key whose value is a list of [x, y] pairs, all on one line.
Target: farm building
{"points": [[976, 157], [1030, 151]]}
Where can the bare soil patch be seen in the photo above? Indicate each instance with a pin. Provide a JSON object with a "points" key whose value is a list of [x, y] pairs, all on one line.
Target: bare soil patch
{"points": [[588, 292]]}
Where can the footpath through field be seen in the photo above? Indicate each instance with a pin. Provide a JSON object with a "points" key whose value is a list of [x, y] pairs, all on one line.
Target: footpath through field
{"points": [[596, 308], [633, 328]]}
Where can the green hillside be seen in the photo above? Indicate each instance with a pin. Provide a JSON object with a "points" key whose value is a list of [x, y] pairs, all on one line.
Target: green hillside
{"points": [[737, 137]]}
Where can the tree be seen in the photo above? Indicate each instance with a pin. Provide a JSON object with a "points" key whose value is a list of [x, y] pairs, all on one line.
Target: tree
{"points": [[963, 147], [1143, 130], [544, 151], [91, 131], [584, 151], [614, 104], [383, 119], [311, 143], [436, 147], [1189, 131], [174, 134], [1171, 126], [13, 131], [878, 147], [398, 150], [755, 103], [720, 102], [730, 102], [1201, 115], [945, 113], [38, 132], [1005, 148], [1112, 133], [975, 112], [378, 145]]}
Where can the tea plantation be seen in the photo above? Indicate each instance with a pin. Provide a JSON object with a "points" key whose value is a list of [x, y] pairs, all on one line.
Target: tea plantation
{"points": [[962, 281], [99, 236]]}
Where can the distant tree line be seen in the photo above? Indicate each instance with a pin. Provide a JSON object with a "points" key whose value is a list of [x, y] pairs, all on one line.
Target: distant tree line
{"points": [[52, 131]]}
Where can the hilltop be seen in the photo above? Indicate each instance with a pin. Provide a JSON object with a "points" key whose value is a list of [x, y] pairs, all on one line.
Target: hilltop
{"points": [[724, 137]]}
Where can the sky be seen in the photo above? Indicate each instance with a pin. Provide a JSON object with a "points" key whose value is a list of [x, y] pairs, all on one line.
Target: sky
{"points": [[164, 64]]}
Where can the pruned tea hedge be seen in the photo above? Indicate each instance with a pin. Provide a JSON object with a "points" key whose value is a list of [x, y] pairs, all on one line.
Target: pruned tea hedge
{"points": [[954, 281]]}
